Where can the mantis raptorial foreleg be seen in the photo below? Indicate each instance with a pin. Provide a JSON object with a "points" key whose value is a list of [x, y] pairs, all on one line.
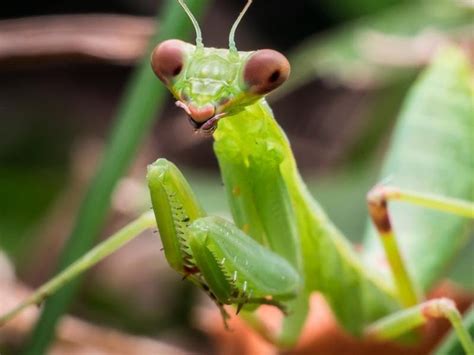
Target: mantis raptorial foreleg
{"points": [[238, 269], [209, 251], [212, 252], [400, 322]]}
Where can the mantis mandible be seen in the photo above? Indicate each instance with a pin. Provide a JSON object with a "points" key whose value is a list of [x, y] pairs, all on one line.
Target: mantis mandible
{"points": [[282, 246]]}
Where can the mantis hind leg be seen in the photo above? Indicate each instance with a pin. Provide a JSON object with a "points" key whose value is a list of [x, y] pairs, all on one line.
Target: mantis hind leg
{"points": [[377, 200], [402, 322], [415, 314]]}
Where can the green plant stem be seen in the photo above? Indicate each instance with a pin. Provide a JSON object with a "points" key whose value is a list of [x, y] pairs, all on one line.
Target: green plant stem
{"points": [[143, 97], [107, 247]]}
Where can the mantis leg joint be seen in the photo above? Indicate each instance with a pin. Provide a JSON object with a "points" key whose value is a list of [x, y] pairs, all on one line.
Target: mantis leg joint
{"points": [[440, 308]]}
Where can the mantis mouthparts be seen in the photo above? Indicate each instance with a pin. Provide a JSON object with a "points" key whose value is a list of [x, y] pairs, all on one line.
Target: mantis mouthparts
{"points": [[209, 125]]}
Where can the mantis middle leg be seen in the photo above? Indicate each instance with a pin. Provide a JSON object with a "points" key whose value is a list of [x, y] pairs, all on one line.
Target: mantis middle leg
{"points": [[414, 315]]}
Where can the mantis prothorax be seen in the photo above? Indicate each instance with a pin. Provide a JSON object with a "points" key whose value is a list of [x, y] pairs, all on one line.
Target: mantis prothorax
{"points": [[282, 246]]}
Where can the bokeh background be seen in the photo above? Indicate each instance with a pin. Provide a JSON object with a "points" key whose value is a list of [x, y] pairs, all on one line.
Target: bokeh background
{"points": [[63, 70]]}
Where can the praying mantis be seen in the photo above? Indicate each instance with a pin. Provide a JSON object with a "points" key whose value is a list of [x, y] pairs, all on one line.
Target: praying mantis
{"points": [[281, 247]]}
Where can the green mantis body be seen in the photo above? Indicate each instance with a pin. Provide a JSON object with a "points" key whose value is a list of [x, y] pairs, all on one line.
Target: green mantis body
{"points": [[282, 246], [268, 199]]}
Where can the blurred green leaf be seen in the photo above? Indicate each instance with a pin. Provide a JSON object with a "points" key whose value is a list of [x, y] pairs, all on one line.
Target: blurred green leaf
{"points": [[382, 109], [462, 270]]}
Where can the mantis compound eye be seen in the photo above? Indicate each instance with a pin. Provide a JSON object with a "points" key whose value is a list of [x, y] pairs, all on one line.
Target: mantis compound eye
{"points": [[266, 70], [167, 59]]}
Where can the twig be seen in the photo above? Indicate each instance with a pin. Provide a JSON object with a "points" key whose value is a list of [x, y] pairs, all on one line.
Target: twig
{"points": [[115, 38]]}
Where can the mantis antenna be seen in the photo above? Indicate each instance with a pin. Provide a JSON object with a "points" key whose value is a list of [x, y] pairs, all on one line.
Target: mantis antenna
{"points": [[195, 23], [232, 46]]}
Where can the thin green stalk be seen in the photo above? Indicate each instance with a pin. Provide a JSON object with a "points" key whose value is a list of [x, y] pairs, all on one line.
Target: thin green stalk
{"points": [[143, 97], [92, 257]]}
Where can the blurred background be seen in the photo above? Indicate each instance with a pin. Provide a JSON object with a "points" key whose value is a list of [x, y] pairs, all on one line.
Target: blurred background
{"points": [[63, 70]]}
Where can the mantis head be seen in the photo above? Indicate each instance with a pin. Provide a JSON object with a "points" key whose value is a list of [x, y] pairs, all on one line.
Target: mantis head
{"points": [[210, 83]]}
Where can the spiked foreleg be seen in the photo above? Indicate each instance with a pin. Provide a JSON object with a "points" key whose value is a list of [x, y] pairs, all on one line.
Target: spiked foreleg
{"points": [[175, 208], [236, 268]]}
